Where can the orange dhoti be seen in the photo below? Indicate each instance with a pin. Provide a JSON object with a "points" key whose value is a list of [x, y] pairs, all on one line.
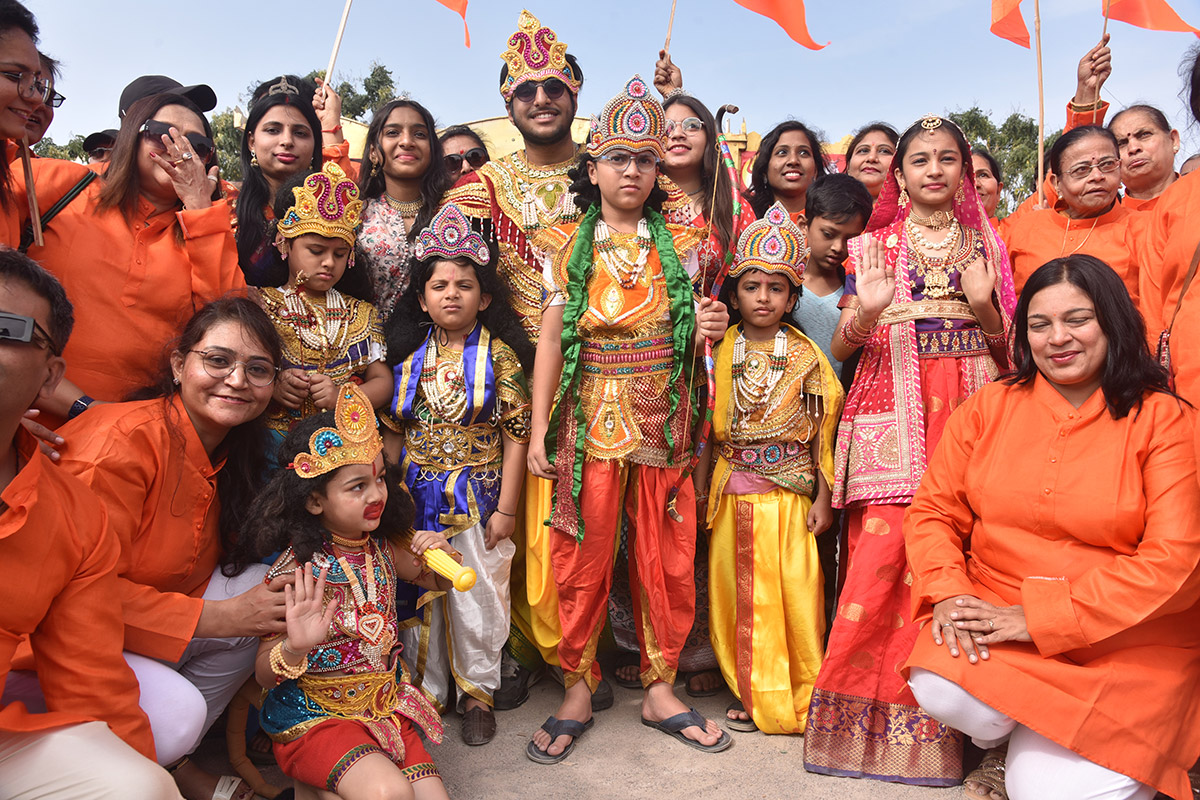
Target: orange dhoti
{"points": [[661, 576]]}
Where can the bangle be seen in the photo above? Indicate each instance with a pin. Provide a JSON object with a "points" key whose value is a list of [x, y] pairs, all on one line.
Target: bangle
{"points": [[999, 339], [853, 336], [79, 406], [287, 649], [1081, 107], [505, 513], [337, 129], [282, 668]]}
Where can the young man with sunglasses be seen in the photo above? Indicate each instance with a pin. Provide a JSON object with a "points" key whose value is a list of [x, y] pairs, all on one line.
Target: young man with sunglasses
{"points": [[80, 733]]}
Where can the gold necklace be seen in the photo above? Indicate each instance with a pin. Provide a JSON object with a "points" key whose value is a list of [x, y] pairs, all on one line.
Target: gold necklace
{"points": [[1061, 250], [407, 208], [342, 541], [935, 221]]}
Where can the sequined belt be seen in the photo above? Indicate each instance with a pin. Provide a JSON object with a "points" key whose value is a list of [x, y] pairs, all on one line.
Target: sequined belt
{"points": [[366, 695], [629, 358], [926, 309], [768, 458], [449, 446], [969, 341]]}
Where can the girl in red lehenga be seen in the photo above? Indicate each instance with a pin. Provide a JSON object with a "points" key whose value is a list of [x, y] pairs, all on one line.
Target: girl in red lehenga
{"points": [[929, 298]]}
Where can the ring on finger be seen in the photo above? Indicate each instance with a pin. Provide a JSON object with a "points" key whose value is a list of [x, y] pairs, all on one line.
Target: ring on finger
{"points": [[947, 625], [186, 156], [991, 624]]}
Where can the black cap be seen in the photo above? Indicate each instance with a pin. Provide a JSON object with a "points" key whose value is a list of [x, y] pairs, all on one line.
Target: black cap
{"points": [[103, 138], [201, 94]]}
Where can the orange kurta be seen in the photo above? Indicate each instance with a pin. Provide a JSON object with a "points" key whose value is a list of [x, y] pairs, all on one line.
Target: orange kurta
{"points": [[133, 283], [1041, 236], [147, 465], [58, 591], [1090, 524]]}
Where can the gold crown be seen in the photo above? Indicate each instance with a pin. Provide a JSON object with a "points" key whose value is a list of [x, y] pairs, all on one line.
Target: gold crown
{"points": [[355, 440], [773, 244], [327, 204], [535, 53]]}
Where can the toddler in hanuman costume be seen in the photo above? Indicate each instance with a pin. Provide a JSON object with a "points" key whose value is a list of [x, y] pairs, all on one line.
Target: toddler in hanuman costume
{"points": [[618, 341], [328, 337], [461, 409], [777, 407], [340, 708]]}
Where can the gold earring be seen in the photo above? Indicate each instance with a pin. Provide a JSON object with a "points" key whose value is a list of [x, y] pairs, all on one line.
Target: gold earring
{"points": [[960, 194], [253, 159], [374, 168], [902, 200]]}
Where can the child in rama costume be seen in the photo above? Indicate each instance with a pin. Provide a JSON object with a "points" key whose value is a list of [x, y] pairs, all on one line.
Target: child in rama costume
{"points": [[777, 408], [618, 341]]}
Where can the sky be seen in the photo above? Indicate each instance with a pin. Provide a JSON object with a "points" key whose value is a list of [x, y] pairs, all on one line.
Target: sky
{"points": [[890, 60]]}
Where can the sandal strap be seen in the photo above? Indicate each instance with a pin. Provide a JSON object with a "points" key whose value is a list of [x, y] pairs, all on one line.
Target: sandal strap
{"points": [[563, 727], [683, 720]]}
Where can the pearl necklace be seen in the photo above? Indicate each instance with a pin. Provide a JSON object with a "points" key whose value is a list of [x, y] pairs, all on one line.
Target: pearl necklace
{"points": [[325, 329], [752, 384], [918, 238], [444, 385], [627, 271], [370, 622]]}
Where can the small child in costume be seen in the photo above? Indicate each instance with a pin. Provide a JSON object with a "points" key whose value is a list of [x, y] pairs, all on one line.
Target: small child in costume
{"points": [[339, 707], [328, 337], [461, 416], [777, 407], [616, 351]]}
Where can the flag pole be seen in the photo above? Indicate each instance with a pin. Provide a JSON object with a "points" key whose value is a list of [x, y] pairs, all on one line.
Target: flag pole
{"points": [[337, 43], [1103, 33], [1041, 165], [670, 25]]}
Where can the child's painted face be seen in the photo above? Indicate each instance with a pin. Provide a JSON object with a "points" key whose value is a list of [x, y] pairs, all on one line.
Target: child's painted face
{"points": [[453, 297], [321, 261], [762, 299], [827, 240], [352, 501]]}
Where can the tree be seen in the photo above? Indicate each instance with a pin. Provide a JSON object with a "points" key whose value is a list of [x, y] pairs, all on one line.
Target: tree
{"points": [[228, 139], [1014, 146], [71, 151]]}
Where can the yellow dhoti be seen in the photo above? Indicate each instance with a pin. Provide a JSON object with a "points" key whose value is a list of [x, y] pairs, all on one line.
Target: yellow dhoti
{"points": [[535, 627]]}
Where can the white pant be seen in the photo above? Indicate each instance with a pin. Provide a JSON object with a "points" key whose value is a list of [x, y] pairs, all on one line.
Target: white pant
{"points": [[1036, 768], [78, 762]]}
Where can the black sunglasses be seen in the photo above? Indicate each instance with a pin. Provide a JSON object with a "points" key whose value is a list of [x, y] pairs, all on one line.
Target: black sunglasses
{"points": [[18, 328], [153, 131], [476, 157], [553, 88]]}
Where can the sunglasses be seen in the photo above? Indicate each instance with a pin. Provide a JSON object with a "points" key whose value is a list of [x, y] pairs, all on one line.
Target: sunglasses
{"points": [[18, 328], [476, 157], [553, 88], [153, 131]]}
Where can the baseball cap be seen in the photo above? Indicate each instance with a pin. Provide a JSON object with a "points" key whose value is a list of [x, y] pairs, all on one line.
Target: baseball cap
{"points": [[200, 94]]}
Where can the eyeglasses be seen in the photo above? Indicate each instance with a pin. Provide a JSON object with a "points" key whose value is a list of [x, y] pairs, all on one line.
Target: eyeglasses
{"points": [[553, 88], [153, 131], [19, 328], [476, 157], [689, 125], [619, 160], [1105, 165], [55, 100], [219, 364], [30, 85]]}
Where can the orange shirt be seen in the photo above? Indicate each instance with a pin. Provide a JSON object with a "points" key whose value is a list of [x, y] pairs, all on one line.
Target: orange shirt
{"points": [[1041, 236], [58, 590], [1089, 523], [146, 464], [1077, 119], [133, 285]]}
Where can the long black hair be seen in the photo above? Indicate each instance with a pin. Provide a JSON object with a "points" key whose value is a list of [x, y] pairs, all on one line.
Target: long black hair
{"points": [[281, 517], [14, 16], [407, 328], [1130, 371], [256, 192], [587, 194], [713, 175], [1190, 69], [245, 446], [762, 196], [434, 182]]}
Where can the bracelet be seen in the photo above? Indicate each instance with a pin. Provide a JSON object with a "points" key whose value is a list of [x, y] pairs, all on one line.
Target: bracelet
{"points": [[852, 336], [79, 406], [287, 649], [999, 339], [859, 329], [282, 668], [1082, 107], [338, 129], [505, 513]]}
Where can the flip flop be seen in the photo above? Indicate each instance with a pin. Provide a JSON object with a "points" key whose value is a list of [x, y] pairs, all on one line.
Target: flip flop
{"points": [[739, 725], [673, 726], [557, 727]]}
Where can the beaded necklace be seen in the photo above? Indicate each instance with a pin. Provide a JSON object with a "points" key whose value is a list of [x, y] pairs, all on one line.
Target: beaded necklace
{"points": [[755, 378], [321, 327], [628, 271], [914, 233], [369, 620], [443, 383], [545, 194], [937, 271]]}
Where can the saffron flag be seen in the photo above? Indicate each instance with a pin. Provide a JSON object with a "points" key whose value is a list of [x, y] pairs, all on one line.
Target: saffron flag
{"points": [[1007, 22], [788, 13], [460, 7], [1154, 15]]}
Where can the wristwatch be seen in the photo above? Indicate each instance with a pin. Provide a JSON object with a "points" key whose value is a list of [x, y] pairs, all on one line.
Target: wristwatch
{"points": [[79, 406]]}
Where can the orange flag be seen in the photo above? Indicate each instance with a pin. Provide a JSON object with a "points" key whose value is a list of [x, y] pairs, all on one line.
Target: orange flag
{"points": [[459, 6], [1007, 22], [1154, 15], [790, 16]]}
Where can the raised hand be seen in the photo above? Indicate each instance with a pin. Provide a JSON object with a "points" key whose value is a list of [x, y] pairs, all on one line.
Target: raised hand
{"points": [[1094, 69], [308, 616], [667, 76], [193, 184], [876, 281], [978, 282]]}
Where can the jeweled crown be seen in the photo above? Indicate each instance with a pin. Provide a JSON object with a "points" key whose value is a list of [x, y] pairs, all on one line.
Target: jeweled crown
{"points": [[633, 120], [772, 244], [449, 235], [354, 440], [327, 204], [534, 53]]}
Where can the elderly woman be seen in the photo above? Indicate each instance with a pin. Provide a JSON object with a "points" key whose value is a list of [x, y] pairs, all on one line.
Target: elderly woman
{"points": [[1054, 557], [1085, 172]]}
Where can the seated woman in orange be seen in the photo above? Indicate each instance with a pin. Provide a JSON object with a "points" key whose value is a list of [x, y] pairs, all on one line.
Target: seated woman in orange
{"points": [[1054, 556], [1084, 168], [176, 475], [140, 249]]}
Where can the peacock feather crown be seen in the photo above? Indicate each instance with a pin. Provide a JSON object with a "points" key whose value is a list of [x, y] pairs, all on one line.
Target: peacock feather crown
{"points": [[327, 204], [354, 439]]}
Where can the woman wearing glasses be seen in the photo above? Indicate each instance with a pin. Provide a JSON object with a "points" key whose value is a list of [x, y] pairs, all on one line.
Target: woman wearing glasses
{"points": [[1086, 173], [23, 88], [176, 474], [464, 149], [138, 250]]}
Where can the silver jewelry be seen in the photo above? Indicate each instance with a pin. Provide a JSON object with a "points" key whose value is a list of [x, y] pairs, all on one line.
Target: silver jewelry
{"points": [[186, 156]]}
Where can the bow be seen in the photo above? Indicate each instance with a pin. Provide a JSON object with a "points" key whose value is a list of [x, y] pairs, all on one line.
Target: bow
{"points": [[714, 293]]}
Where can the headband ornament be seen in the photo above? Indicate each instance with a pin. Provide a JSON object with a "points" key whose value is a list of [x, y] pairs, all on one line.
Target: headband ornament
{"points": [[282, 87], [327, 204], [633, 120], [534, 53], [449, 235], [354, 440], [773, 244]]}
